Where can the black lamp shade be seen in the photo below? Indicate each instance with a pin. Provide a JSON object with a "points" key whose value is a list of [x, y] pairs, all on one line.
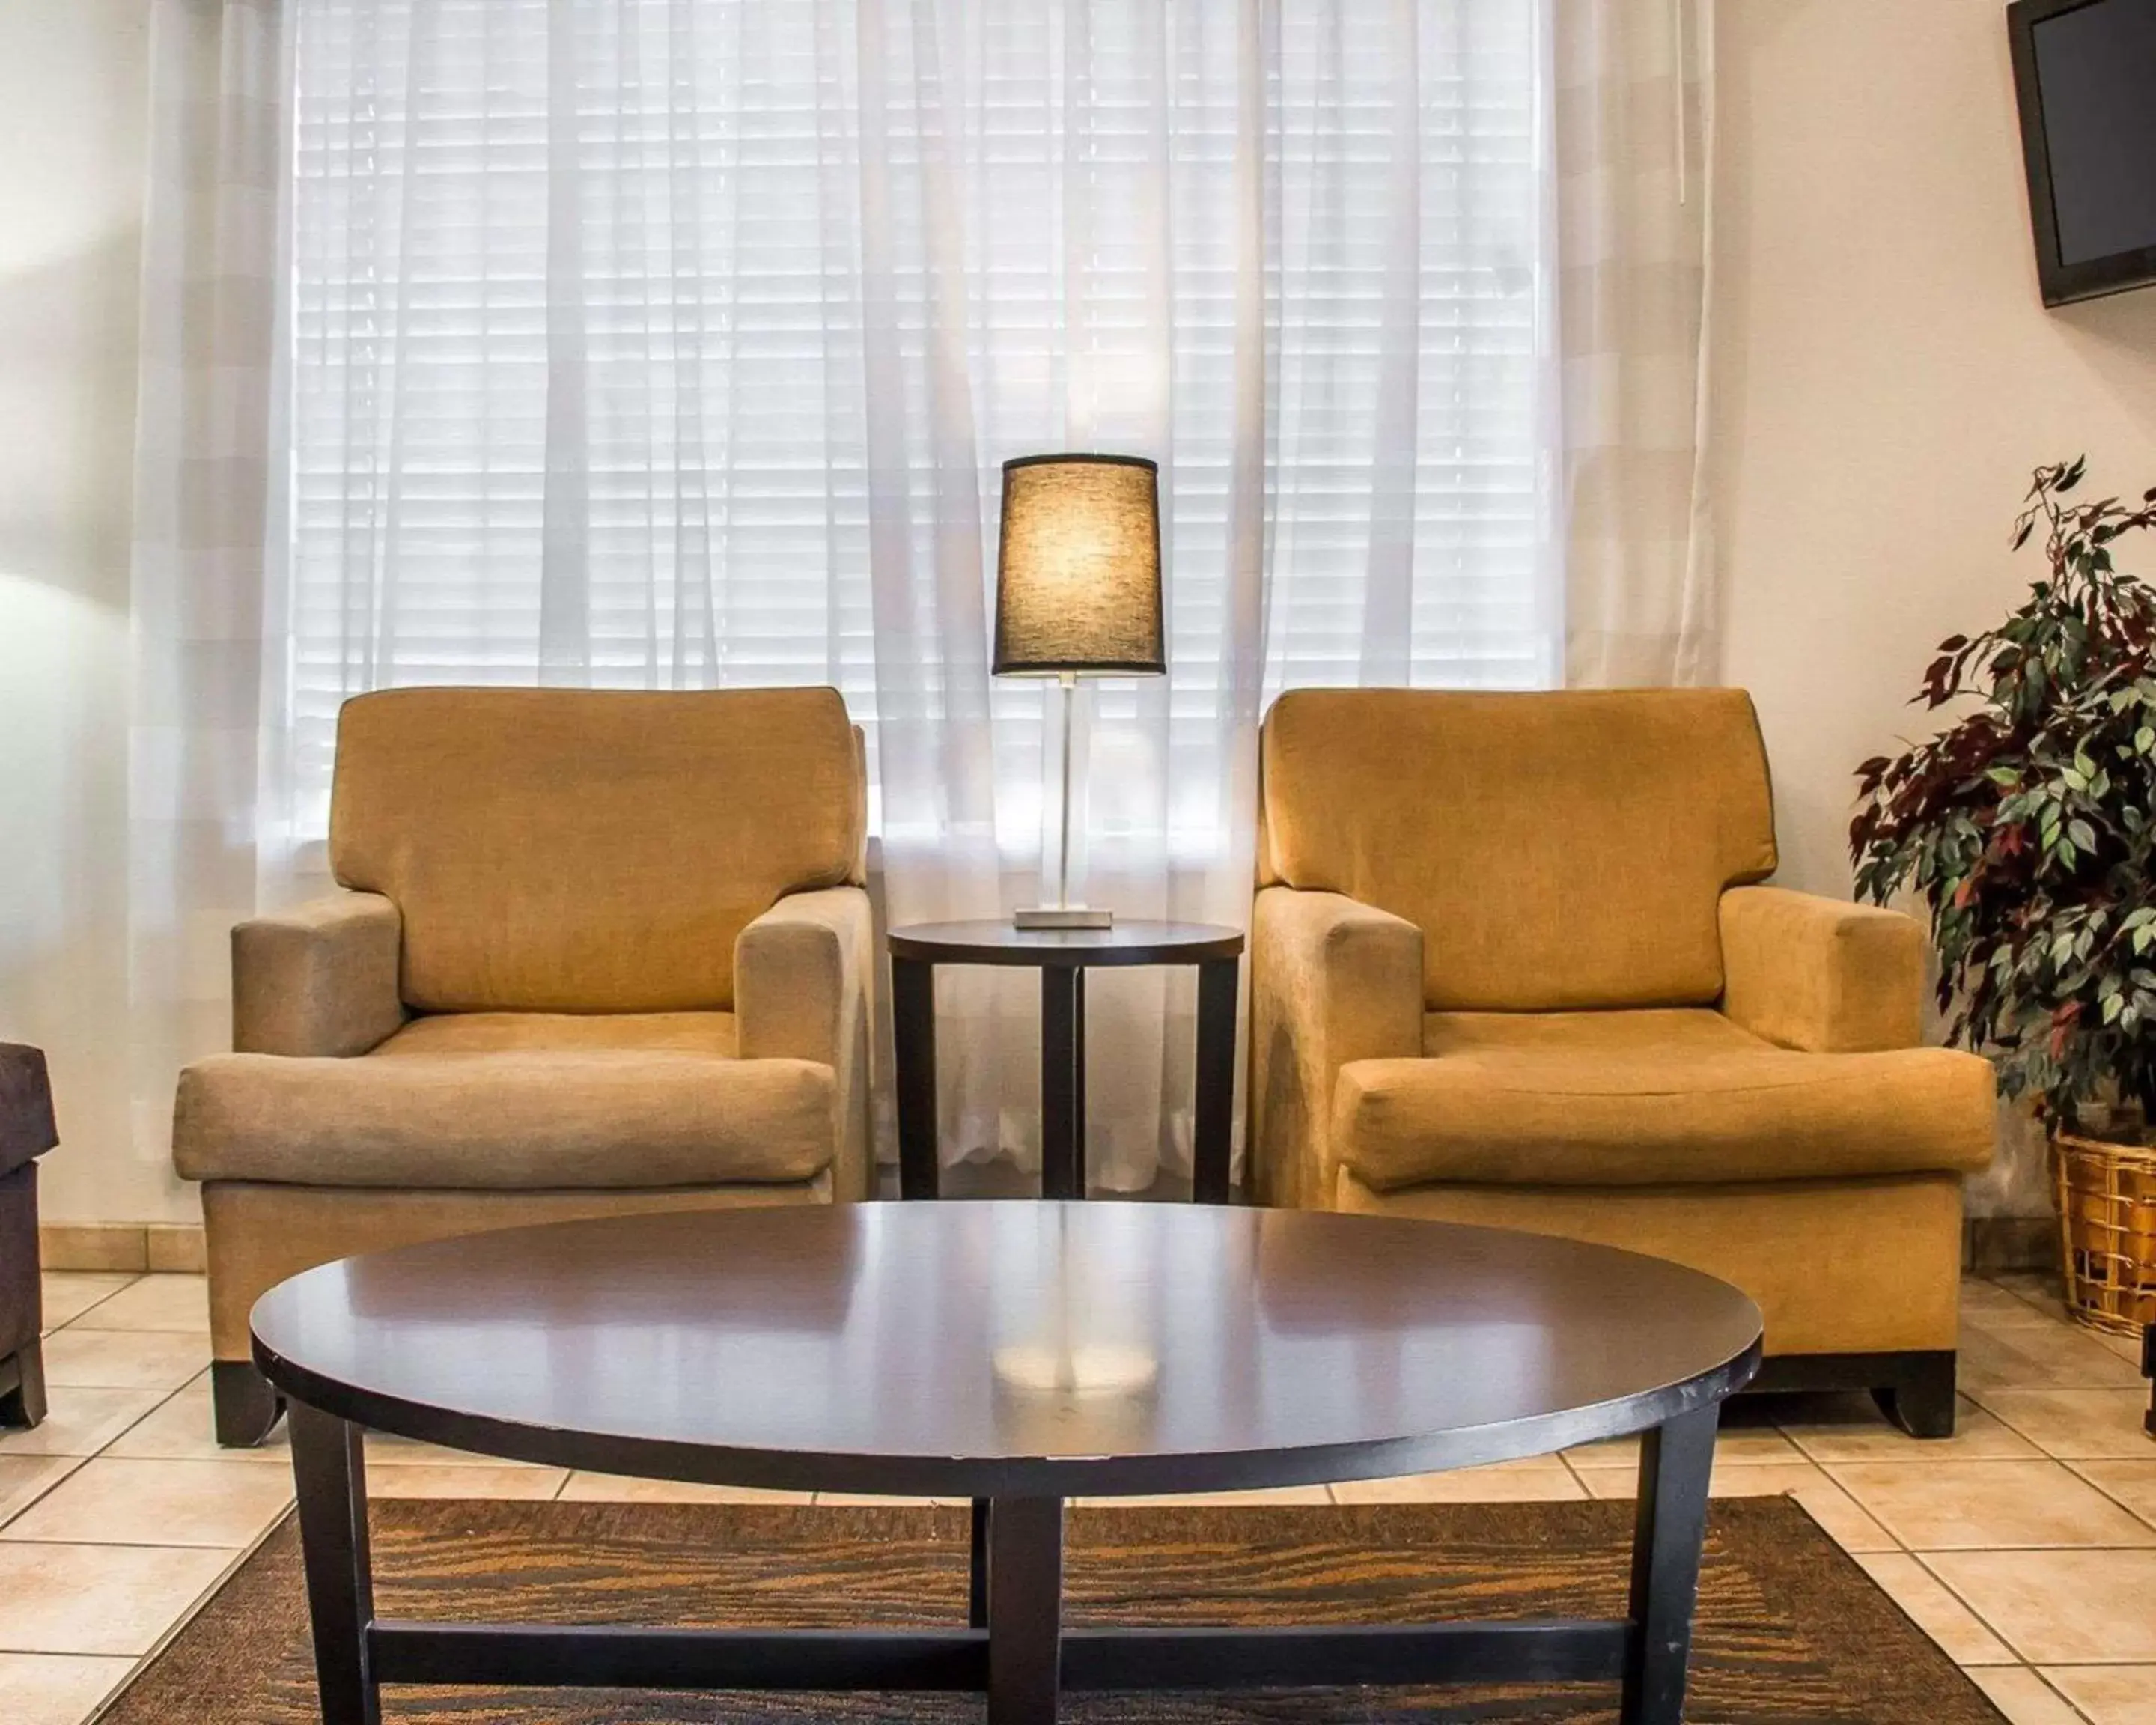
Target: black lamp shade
{"points": [[1078, 568]]}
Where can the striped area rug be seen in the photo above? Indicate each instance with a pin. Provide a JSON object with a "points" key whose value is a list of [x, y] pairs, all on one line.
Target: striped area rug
{"points": [[1791, 1631]]}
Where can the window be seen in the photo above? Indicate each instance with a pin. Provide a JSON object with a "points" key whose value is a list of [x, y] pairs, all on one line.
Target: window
{"points": [[612, 320]]}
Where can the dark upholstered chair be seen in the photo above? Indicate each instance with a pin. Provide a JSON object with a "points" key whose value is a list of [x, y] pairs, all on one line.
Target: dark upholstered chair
{"points": [[26, 1134]]}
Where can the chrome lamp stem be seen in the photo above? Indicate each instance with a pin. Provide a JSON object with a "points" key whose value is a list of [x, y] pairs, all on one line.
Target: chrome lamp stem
{"points": [[1063, 914]]}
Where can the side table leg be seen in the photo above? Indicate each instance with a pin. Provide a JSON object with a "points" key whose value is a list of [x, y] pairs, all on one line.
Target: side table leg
{"points": [[329, 1468], [1082, 1183], [913, 1039], [976, 1572], [1675, 1461], [1059, 1080], [1212, 1145], [1025, 1610]]}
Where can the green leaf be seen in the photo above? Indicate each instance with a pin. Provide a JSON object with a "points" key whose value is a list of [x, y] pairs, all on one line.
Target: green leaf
{"points": [[2047, 771]]}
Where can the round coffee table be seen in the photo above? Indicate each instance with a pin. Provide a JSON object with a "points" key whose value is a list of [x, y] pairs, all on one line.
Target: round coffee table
{"points": [[1017, 1354]]}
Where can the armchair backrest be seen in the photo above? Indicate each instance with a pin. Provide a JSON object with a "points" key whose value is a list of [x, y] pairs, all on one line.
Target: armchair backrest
{"points": [[589, 850], [1560, 850]]}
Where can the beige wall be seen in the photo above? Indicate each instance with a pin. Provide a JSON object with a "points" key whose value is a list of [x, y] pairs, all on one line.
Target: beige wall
{"points": [[71, 161], [1887, 377]]}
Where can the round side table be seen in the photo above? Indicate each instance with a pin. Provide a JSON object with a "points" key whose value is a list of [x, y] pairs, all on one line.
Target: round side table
{"points": [[1063, 955]]}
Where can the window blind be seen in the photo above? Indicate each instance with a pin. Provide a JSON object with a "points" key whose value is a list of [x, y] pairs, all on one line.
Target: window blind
{"points": [[595, 303]]}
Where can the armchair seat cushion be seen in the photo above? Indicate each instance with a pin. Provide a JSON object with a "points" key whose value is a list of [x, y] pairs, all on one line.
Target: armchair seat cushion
{"points": [[513, 1102], [710, 1033], [1650, 1097]]}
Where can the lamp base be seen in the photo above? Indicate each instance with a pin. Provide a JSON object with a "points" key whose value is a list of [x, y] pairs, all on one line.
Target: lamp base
{"points": [[1064, 917]]}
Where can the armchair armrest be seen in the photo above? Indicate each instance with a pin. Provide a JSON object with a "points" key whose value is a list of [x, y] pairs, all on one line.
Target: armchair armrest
{"points": [[27, 1130], [320, 979], [1332, 980], [1820, 975], [801, 991]]}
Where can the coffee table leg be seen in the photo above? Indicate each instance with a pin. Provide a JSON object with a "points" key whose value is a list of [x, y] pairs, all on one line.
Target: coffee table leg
{"points": [[1025, 1610], [329, 1469], [913, 1044], [977, 1573], [1213, 1131], [1675, 1461]]}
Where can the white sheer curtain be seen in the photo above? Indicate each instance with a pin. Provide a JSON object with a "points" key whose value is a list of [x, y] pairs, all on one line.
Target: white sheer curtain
{"points": [[208, 528], [1634, 132], [679, 342]]}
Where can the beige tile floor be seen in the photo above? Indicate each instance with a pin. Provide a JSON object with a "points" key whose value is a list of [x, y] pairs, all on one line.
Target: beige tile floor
{"points": [[2025, 1546]]}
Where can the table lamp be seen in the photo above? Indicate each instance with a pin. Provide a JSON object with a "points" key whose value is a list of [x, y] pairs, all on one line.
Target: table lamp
{"points": [[1078, 595]]}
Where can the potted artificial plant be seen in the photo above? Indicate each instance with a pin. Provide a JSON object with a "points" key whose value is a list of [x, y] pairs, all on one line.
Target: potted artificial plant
{"points": [[2027, 826]]}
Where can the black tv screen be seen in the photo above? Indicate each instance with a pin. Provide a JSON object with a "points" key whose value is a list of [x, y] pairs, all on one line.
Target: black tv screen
{"points": [[2085, 76]]}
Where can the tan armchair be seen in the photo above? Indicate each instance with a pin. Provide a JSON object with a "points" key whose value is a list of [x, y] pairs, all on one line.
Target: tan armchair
{"points": [[1509, 966], [596, 952]]}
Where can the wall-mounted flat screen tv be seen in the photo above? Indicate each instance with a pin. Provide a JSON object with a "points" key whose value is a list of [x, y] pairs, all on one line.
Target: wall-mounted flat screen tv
{"points": [[2085, 75]]}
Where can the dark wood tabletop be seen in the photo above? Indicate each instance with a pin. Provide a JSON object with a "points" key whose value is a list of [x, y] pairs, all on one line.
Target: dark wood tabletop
{"points": [[1063, 955], [974, 1349], [985, 943]]}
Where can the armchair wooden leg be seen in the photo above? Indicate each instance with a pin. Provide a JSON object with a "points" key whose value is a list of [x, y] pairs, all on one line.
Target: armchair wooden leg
{"points": [[248, 1408], [1915, 1390], [23, 1373], [1921, 1399]]}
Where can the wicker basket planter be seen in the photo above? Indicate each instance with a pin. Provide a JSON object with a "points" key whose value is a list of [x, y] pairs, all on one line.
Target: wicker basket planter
{"points": [[2108, 1215]]}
